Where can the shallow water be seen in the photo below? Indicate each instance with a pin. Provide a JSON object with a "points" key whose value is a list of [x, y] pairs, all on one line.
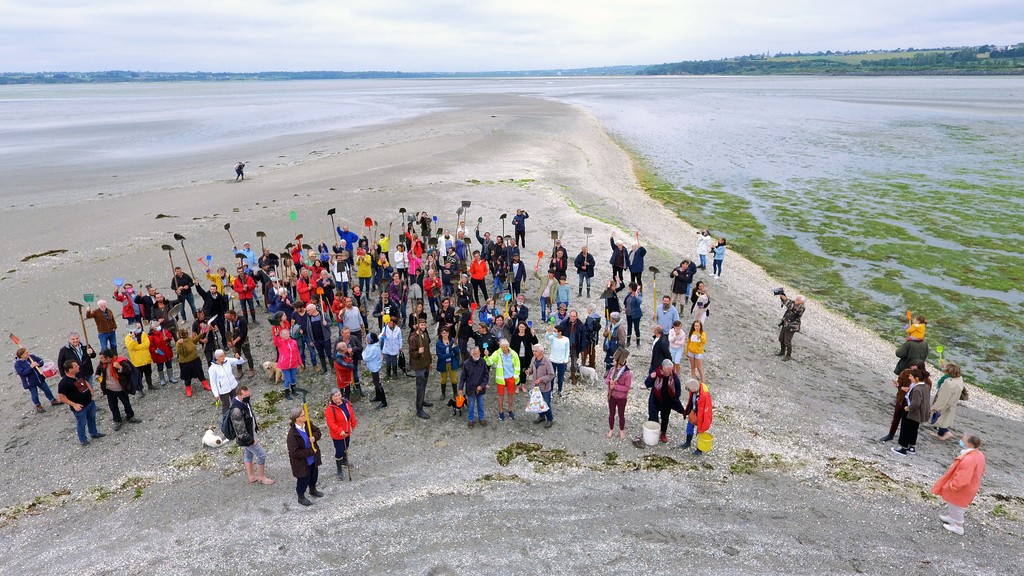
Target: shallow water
{"points": [[874, 195]]}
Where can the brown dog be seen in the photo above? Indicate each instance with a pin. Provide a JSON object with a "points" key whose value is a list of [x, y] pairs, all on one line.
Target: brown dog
{"points": [[273, 372]]}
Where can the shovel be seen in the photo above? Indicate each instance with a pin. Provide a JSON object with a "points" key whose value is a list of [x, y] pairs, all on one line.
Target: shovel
{"points": [[227, 228], [654, 270], [168, 248], [261, 235], [81, 318], [502, 218], [587, 231], [334, 227], [188, 260]]}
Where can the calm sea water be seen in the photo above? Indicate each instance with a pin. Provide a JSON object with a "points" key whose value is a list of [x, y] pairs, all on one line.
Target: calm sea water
{"points": [[887, 182]]}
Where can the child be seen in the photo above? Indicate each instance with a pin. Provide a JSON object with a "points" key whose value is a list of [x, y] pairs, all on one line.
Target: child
{"points": [[562, 292], [915, 330], [288, 360]]}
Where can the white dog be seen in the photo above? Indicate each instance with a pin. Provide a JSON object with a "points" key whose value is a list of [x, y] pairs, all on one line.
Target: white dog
{"points": [[588, 373], [273, 372], [211, 439]]}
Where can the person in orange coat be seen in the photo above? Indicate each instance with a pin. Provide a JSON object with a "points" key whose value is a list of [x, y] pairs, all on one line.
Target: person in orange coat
{"points": [[244, 285], [341, 421], [343, 368], [959, 485], [160, 351], [697, 411]]}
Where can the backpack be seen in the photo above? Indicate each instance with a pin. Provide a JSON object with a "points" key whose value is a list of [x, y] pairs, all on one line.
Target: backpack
{"points": [[593, 329], [226, 427]]}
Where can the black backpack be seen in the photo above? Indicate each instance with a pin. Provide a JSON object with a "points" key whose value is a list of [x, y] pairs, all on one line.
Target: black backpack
{"points": [[226, 427], [593, 329]]}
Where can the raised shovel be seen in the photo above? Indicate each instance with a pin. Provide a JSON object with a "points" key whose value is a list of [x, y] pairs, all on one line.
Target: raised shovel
{"points": [[168, 248], [81, 318], [654, 270], [181, 239]]}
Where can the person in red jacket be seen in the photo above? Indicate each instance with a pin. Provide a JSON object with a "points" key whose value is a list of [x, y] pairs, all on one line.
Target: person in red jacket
{"points": [[288, 359], [341, 421], [697, 412], [478, 276], [304, 286], [959, 485], [161, 352], [244, 286], [343, 367]]}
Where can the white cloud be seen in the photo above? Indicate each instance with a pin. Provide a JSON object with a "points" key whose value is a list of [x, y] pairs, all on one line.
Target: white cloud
{"points": [[447, 35]]}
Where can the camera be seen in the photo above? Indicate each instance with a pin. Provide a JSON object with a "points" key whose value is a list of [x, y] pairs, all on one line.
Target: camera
{"points": [[779, 292]]}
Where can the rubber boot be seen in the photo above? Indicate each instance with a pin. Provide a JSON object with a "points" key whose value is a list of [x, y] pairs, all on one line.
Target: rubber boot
{"points": [[206, 385], [689, 440], [588, 291], [170, 377], [188, 390], [340, 462], [782, 350], [163, 380], [455, 390], [789, 353], [378, 392], [444, 390]]}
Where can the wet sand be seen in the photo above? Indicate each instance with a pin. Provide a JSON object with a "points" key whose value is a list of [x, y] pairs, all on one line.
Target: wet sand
{"points": [[424, 496]]}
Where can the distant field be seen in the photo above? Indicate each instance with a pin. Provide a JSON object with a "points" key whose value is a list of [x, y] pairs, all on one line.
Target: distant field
{"points": [[857, 58]]}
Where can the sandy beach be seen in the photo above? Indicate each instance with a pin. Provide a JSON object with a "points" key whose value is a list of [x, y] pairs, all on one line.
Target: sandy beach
{"points": [[796, 482]]}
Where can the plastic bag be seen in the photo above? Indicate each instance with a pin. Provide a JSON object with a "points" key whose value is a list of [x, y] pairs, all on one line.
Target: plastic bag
{"points": [[537, 405]]}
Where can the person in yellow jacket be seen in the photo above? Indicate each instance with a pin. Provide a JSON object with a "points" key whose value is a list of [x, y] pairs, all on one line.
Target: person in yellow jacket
{"points": [[695, 342], [364, 270], [220, 279], [506, 376], [138, 352]]}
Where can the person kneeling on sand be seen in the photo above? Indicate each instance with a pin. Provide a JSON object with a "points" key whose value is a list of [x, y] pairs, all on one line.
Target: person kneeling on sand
{"points": [[664, 386], [243, 420], [959, 485], [303, 456]]}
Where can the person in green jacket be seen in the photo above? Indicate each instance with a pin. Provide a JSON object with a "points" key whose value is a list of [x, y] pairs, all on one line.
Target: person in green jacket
{"points": [[506, 376]]}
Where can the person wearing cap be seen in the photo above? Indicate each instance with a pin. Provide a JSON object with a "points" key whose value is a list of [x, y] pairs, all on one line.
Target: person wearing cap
{"points": [[29, 368], [663, 382], [247, 253], [222, 378], [619, 380], [698, 412], [542, 372], [304, 455]]}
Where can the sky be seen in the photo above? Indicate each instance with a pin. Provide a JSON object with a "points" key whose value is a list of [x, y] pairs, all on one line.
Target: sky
{"points": [[452, 36]]}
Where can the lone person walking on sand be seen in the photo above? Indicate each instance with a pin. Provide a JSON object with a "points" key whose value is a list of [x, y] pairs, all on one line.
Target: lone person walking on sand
{"points": [[239, 171]]}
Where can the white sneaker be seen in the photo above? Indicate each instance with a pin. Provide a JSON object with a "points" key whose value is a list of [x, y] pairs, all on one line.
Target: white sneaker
{"points": [[947, 520], [954, 529]]}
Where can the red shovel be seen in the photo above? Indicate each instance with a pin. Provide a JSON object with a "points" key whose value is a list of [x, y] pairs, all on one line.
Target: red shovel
{"points": [[539, 256]]}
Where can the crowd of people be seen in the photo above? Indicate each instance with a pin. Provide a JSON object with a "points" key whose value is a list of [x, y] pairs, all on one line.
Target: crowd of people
{"points": [[416, 302]]}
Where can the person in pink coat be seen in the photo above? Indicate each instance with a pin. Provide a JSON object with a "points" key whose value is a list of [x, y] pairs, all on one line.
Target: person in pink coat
{"points": [[288, 360], [959, 485]]}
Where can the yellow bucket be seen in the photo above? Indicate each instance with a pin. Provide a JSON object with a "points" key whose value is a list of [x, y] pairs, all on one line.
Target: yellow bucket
{"points": [[704, 441]]}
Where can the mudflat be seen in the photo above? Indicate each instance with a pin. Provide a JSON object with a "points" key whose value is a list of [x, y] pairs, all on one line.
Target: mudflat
{"points": [[796, 481]]}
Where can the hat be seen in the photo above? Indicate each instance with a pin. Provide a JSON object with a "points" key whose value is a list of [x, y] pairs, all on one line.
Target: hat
{"points": [[620, 356]]}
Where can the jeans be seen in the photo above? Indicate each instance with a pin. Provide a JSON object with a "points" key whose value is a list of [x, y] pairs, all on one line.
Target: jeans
{"points": [[560, 373], [584, 279], [305, 343], [716, 266], [703, 261], [496, 289], [364, 285], [421, 388], [632, 325], [435, 304], [254, 453], [547, 398], [115, 412], [289, 377], [191, 299], [108, 341], [34, 391], [341, 447], [475, 401], [308, 482], [690, 429], [86, 417], [248, 309], [544, 308]]}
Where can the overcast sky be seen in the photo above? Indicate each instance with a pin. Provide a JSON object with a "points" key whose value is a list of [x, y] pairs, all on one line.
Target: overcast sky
{"points": [[452, 35]]}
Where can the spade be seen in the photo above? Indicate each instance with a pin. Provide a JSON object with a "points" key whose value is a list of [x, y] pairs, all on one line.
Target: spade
{"points": [[261, 235], [188, 260], [227, 228], [502, 217], [334, 227], [168, 248]]}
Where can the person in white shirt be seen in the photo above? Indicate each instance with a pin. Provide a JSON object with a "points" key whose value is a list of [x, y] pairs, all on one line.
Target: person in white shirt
{"points": [[401, 262], [222, 378], [391, 346], [559, 354]]}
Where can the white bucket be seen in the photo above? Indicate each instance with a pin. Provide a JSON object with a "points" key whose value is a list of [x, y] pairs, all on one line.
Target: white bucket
{"points": [[652, 433]]}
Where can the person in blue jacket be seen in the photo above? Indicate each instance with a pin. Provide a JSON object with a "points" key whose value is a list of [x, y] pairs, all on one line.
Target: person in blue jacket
{"points": [[519, 223], [448, 356], [29, 367]]}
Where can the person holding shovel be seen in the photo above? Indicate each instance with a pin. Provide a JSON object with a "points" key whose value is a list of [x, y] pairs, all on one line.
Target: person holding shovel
{"points": [[182, 283], [74, 350], [29, 368], [303, 455], [584, 264], [106, 324]]}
